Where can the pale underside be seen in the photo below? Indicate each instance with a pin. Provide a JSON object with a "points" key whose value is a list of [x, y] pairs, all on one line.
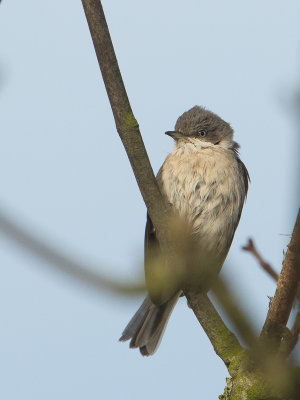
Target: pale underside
{"points": [[208, 187]]}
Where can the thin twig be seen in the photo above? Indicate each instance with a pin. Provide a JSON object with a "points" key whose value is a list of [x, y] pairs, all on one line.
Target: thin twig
{"points": [[250, 247]]}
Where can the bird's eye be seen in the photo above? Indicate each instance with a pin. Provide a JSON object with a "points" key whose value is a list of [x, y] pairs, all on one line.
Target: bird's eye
{"points": [[201, 133]]}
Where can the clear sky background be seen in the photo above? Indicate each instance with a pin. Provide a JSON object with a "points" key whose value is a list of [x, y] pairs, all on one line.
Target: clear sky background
{"points": [[65, 175]]}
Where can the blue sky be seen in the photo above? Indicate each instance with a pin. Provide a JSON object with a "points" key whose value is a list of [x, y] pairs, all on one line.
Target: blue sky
{"points": [[65, 175]]}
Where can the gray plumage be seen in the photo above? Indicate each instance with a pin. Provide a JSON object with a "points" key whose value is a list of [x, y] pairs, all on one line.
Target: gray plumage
{"points": [[148, 324], [207, 183]]}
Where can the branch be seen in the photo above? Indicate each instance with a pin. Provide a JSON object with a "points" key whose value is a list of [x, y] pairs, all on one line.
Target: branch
{"points": [[126, 123], [265, 266], [223, 340], [288, 282]]}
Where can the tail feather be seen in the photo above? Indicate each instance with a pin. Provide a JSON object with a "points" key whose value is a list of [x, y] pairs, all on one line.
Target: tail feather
{"points": [[136, 321], [148, 325]]}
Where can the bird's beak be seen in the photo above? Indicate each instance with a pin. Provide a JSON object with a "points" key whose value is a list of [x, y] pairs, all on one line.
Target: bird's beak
{"points": [[174, 134]]}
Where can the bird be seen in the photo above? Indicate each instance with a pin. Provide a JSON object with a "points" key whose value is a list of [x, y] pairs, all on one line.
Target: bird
{"points": [[205, 181]]}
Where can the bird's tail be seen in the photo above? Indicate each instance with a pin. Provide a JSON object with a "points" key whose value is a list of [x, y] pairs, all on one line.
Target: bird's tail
{"points": [[148, 325]]}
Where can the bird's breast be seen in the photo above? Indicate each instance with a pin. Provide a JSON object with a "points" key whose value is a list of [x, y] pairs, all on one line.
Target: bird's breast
{"points": [[207, 188]]}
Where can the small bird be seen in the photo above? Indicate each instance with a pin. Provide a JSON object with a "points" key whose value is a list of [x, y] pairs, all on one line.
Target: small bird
{"points": [[206, 183]]}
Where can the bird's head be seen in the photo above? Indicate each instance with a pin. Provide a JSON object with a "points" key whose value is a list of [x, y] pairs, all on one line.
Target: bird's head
{"points": [[203, 129]]}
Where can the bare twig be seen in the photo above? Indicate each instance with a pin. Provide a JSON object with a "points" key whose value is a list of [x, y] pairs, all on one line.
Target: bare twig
{"points": [[288, 283], [265, 266]]}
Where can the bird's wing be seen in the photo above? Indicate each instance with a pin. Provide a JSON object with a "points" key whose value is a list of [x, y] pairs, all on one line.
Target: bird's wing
{"points": [[151, 242], [245, 174], [246, 179], [151, 250]]}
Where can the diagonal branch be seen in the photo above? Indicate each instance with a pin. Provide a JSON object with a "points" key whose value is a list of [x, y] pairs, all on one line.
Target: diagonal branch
{"points": [[288, 283], [126, 123], [223, 340]]}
